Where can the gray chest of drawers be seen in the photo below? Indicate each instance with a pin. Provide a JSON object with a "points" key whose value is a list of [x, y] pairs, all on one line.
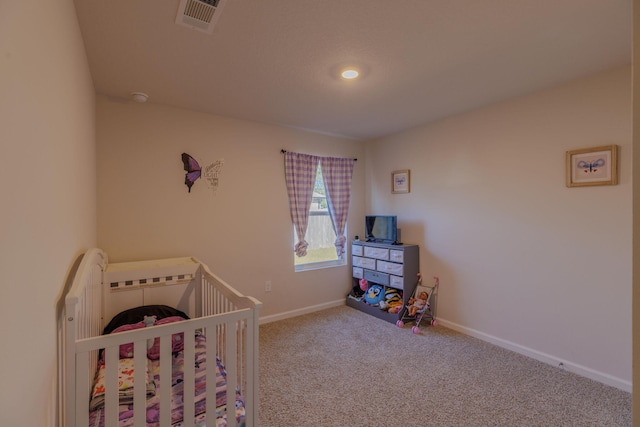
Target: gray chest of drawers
{"points": [[394, 266]]}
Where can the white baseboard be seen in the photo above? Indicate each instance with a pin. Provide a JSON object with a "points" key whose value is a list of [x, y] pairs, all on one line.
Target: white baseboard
{"points": [[301, 311], [542, 357]]}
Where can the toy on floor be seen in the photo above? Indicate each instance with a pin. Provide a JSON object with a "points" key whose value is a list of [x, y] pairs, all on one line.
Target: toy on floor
{"points": [[419, 305]]}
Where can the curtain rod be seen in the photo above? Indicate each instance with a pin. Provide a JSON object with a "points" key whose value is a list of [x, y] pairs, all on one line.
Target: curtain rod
{"points": [[284, 151]]}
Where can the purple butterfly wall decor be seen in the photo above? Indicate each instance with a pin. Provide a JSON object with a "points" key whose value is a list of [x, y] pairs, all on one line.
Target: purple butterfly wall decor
{"points": [[194, 171]]}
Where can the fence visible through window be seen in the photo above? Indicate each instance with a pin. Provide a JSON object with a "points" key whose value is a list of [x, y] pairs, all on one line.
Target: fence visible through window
{"points": [[321, 238]]}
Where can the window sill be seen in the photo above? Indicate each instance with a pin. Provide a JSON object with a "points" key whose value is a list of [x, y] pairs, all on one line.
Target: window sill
{"points": [[320, 265]]}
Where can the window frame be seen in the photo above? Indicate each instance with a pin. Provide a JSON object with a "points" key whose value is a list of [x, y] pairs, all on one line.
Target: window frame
{"points": [[340, 261]]}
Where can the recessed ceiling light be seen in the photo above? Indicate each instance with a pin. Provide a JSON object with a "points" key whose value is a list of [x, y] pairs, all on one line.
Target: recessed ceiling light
{"points": [[350, 74]]}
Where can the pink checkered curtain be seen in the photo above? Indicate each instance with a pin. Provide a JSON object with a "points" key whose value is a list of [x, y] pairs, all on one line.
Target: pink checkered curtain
{"points": [[300, 174], [337, 173]]}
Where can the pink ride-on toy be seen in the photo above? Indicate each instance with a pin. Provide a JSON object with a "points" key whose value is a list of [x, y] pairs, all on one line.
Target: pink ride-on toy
{"points": [[418, 307]]}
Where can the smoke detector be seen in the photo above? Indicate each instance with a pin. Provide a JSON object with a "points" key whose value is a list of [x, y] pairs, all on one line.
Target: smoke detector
{"points": [[200, 15], [139, 97]]}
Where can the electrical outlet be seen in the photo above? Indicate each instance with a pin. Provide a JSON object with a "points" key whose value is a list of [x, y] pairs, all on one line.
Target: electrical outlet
{"points": [[267, 286]]}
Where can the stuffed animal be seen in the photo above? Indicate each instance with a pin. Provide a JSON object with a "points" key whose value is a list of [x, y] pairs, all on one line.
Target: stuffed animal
{"points": [[374, 294], [392, 300], [356, 293], [395, 309], [149, 321]]}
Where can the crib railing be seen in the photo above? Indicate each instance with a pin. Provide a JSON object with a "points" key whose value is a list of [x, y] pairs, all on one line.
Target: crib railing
{"points": [[87, 348], [228, 319], [82, 319], [219, 298]]}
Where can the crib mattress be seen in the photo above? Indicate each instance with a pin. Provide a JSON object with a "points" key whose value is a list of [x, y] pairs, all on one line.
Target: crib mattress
{"points": [[96, 417]]}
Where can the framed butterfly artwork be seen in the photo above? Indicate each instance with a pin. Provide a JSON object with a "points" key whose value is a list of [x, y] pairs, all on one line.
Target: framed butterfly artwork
{"points": [[210, 173], [592, 166], [401, 181]]}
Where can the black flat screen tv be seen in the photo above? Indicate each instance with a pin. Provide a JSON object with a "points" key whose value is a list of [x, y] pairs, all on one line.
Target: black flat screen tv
{"points": [[381, 228]]}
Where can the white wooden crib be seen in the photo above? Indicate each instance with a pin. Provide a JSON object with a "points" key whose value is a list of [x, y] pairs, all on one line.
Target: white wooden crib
{"points": [[226, 320]]}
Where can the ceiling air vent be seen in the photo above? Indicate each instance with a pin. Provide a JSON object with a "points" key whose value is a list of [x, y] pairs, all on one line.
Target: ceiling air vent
{"points": [[200, 15]]}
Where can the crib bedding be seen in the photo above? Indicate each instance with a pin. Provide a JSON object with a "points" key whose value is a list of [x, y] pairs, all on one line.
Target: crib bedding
{"points": [[125, 384], [125, 368]]}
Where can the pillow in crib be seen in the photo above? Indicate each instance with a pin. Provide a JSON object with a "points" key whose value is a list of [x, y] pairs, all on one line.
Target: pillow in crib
{"points": [[153, 353], [177, 340], [126, 350], [135, 315]]}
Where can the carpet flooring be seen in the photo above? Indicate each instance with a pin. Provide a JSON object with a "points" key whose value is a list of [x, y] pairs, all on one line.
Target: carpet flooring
{"points": [[340, 367]]}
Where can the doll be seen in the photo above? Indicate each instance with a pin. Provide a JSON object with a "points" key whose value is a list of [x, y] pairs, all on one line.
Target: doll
{"points": [[418, 303]]}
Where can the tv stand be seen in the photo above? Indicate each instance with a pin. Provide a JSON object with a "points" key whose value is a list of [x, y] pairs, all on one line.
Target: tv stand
{"points": [[392, 265]]}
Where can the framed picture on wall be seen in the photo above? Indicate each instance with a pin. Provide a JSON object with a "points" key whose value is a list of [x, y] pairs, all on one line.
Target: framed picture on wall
{"points": [[592, 166], [401, 181]]}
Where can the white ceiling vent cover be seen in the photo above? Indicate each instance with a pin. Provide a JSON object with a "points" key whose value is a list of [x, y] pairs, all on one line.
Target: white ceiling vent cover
{"points": [[200, 15]]}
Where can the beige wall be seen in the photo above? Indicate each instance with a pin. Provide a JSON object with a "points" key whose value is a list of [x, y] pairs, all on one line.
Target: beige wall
{"points": [[243, 231], [48, 213], [524, 261], [501, 242]]}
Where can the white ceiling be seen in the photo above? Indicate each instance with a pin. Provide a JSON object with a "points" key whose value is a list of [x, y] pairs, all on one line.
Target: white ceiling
{"points": [[277, 61]]}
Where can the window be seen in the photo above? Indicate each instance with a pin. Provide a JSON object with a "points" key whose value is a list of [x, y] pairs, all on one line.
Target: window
{"points": [[321, 235], [307, 177]]}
